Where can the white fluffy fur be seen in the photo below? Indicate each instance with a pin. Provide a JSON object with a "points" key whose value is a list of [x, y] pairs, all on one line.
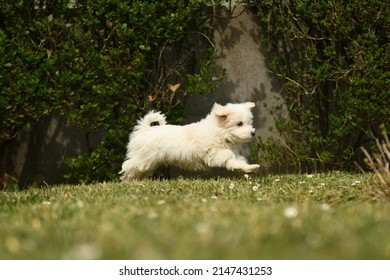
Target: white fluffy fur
{"points": [[210, 142]]}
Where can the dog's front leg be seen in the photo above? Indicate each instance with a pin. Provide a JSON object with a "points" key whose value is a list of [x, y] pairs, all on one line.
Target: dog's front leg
{"points": [[240, 165], [226, 158]]}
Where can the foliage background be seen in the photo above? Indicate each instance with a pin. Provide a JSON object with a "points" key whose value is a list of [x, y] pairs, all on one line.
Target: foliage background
{"points": [[332, 58], [101, 64]]}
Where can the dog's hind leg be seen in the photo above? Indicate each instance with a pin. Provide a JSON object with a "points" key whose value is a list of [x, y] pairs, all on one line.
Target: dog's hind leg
{"points": [[132, 170]]}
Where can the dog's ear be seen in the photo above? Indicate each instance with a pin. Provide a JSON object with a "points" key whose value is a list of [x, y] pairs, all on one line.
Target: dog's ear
{"points": [[221, 112], [250, 105]]}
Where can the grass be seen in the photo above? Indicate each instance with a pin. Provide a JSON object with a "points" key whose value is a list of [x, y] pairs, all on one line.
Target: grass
{"points": [[321, 216]]}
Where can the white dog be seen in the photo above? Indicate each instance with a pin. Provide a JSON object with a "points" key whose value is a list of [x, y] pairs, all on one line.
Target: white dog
{"points": [[210, 142]]}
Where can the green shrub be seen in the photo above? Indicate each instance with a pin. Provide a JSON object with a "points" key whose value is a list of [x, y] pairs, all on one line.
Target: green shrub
{"points": [[101, 64], [333, 60], [27, 92]]}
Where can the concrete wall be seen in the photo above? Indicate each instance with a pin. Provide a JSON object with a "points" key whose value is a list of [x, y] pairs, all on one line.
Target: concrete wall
{"points": [[39, 151], [240, 52]]}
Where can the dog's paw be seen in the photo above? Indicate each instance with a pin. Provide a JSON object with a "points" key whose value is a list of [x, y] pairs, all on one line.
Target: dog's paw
{"points": [[251, 168]]}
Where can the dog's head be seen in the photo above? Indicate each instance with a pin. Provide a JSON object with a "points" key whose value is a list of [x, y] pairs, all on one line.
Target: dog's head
{"points": [[237, 120]]}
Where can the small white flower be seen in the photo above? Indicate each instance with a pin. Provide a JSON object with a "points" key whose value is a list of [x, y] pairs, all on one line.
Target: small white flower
{"points": [[277, 180], [79, 204], [310, 175], [325, 207], [355, 183], [231, 186], [290, 212], [152, 215], [161, 202], [85, 251], [46, 203], [246, 176], [255, 188], [202, 228]]}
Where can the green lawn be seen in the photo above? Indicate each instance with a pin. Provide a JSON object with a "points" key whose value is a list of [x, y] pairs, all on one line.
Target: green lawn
{"points": [[321, 216]]}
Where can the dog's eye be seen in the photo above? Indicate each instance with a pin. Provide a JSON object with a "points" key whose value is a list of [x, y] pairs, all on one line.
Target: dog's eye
{"points": [[240, 123]]}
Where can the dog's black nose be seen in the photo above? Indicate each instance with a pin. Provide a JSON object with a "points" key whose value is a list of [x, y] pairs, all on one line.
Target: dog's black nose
{"points": [[253, 133]]}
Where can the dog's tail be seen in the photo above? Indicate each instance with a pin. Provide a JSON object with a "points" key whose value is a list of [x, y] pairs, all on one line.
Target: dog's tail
{"points": [[151, 119]]}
